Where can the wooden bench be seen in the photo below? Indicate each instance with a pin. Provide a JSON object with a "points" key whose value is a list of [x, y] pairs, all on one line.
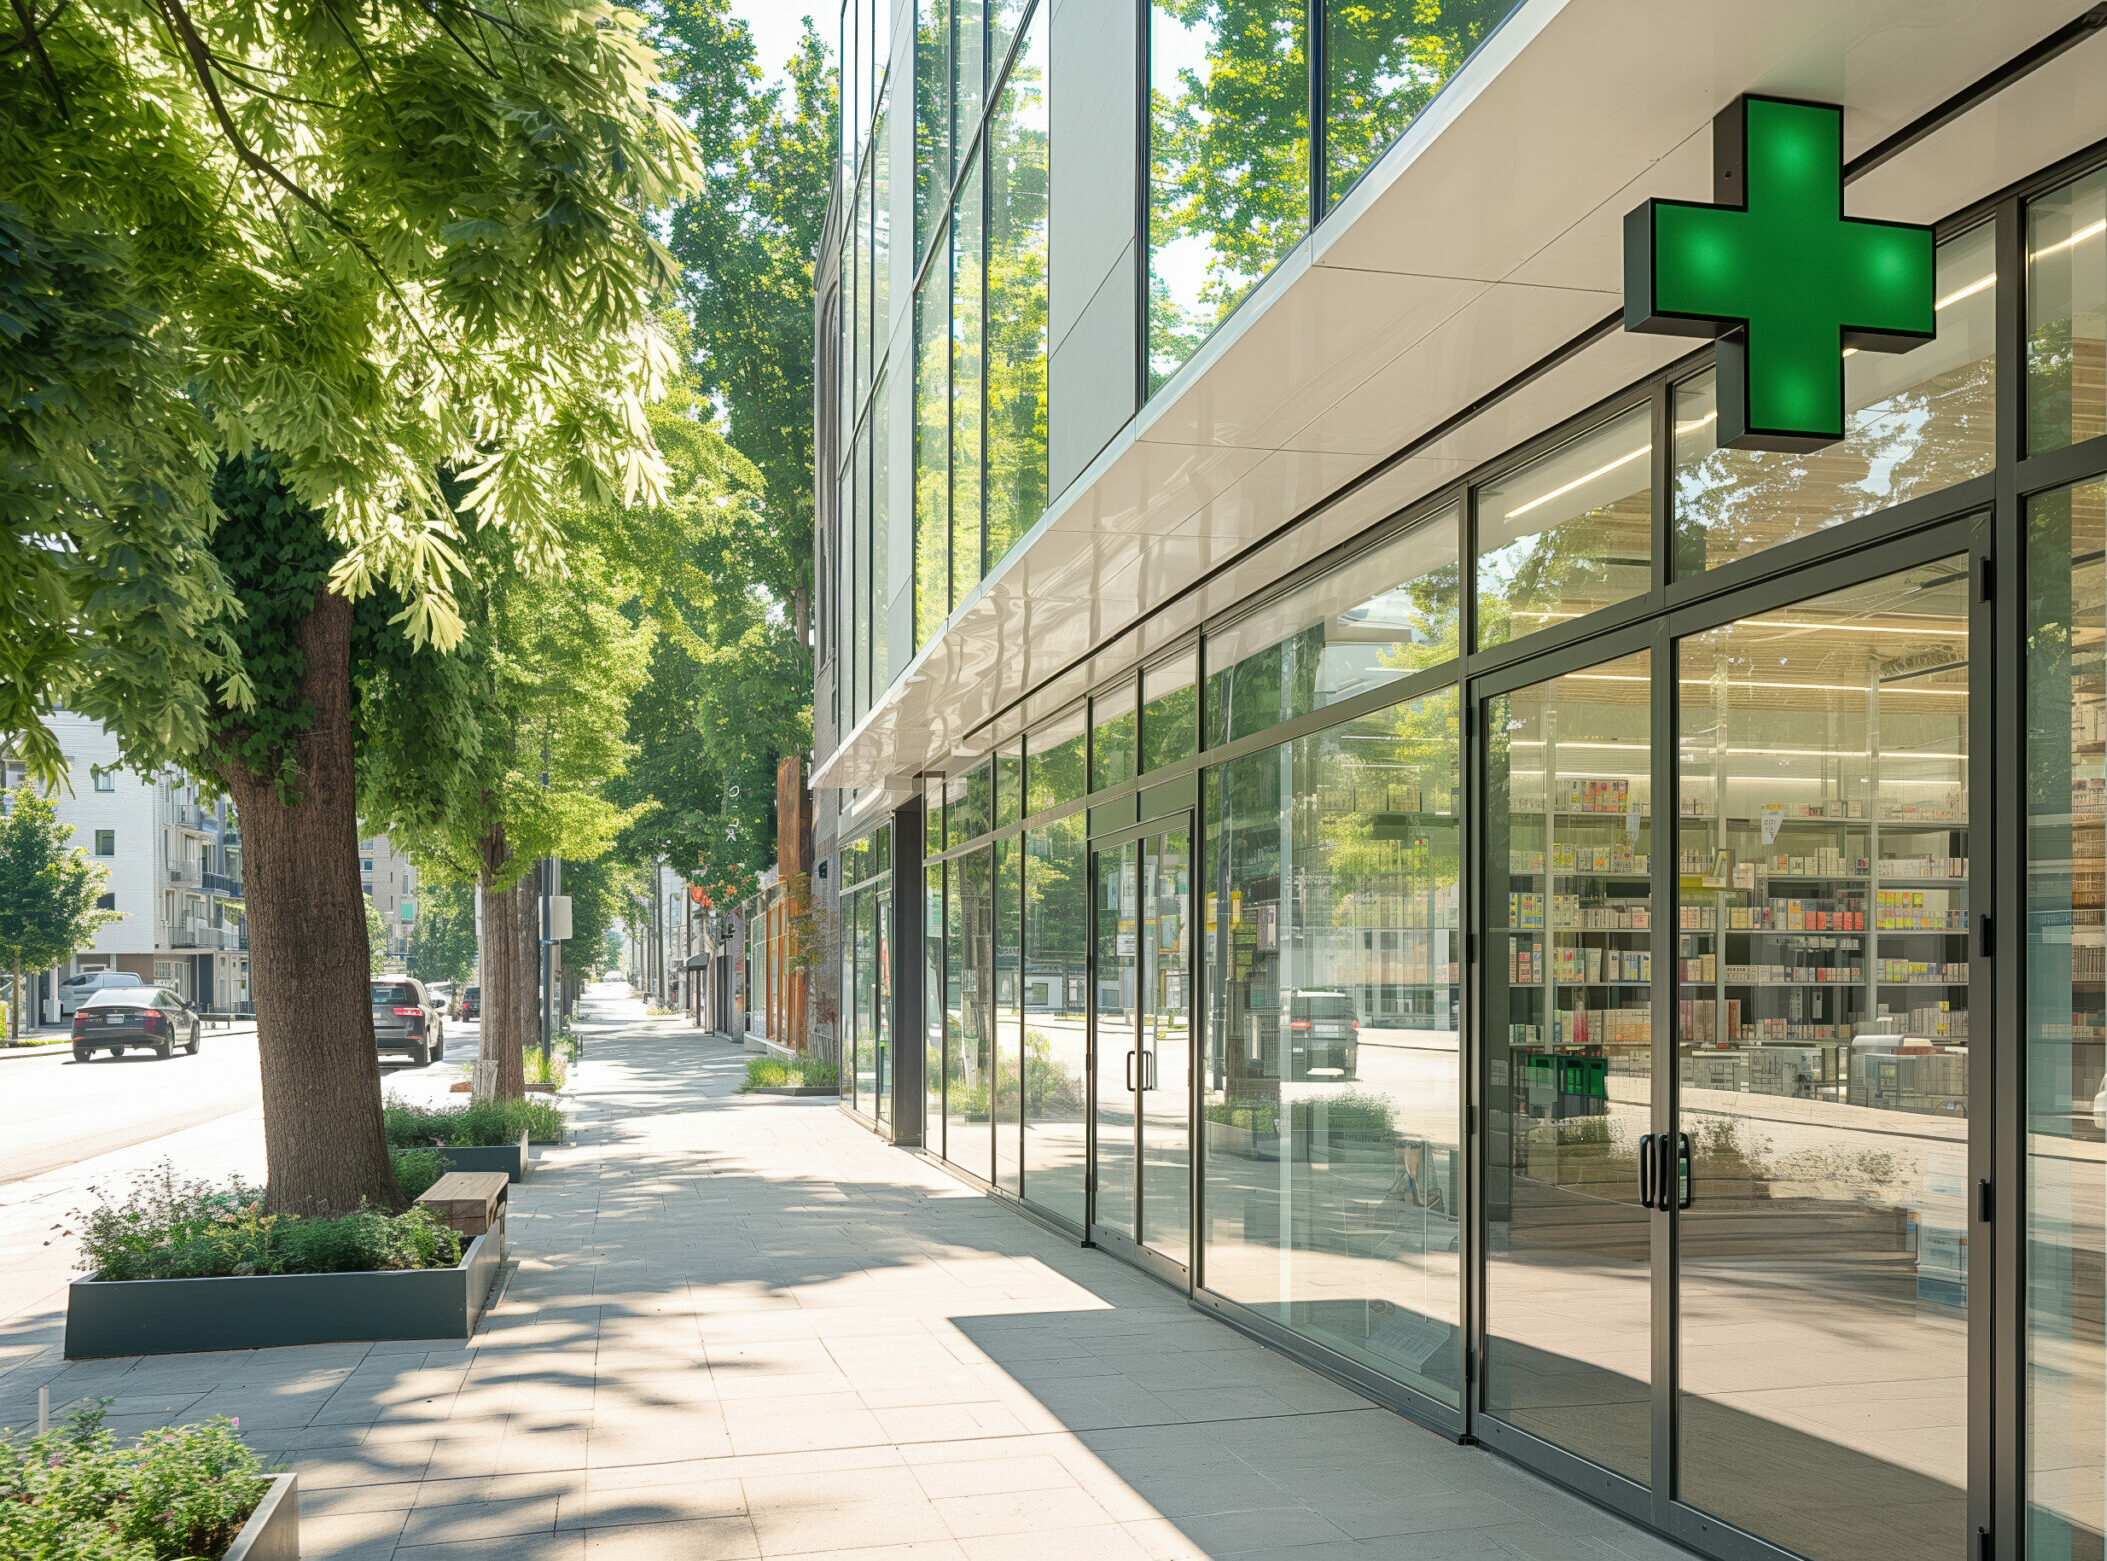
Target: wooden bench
{"points": [[472, 1202]]}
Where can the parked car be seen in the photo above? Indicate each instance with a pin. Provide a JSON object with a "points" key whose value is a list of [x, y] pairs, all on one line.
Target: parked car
{"points": [[76, 990], [442, 995], [405, 1022], [136, 1018], [471, 1002], [1324, 1036]]}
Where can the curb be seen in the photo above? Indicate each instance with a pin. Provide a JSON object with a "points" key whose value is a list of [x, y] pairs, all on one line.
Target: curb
{"points": [[43, 1049]]}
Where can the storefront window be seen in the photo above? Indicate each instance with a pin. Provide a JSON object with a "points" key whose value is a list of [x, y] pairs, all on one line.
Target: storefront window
{"points": [[1054, 755], [968, 803], [1915, 422], [966, 381], [862, 244], [1112, 733], [1228, 161], [1017, 321], [1056, 971], [1568, 533], [1385, 615], [969, 1040], [932, 465], [1330, 1089], [865, 920], [2067, 315], [1170, 711], [2066, 1028], [1009, 783], [933, 1008], [1009, 1015], [1384, 60]]}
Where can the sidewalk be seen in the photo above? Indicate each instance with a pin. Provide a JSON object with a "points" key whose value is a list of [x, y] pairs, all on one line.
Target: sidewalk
{"points": [[743, 1327]]}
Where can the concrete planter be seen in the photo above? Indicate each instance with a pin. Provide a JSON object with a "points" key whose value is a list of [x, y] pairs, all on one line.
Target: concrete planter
{"points": [[509, 1158], [797, 1089], [263, 1311], [273, 1530]]}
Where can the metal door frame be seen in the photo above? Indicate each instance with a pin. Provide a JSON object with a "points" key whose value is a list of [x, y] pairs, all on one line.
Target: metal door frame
{"points": [[1135, 1250]]}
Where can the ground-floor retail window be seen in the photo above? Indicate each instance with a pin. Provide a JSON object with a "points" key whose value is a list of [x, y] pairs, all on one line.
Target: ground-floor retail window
{"points": [[1329, 1090], [2066, 1059]]}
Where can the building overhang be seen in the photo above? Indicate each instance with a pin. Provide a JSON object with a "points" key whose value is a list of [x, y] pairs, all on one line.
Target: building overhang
{"points": [[1464, 297]]}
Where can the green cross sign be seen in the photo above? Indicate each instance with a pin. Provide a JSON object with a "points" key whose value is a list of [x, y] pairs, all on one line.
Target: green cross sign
{"points": [[1778, 274]]}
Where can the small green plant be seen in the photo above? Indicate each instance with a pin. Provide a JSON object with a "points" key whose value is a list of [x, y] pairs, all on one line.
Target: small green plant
{"points": [[416, 1170], [74, 1494], [166, 1227], [553, 1069], [479, 1124], [789, 1073]]}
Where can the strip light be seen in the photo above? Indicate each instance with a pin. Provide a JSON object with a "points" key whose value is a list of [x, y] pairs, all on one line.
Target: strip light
{"points": [[2090, 230], [1581, 482]]}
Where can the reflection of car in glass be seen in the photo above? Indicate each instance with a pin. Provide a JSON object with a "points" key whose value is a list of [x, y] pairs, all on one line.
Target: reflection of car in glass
{"points": [[1324, 1036]]}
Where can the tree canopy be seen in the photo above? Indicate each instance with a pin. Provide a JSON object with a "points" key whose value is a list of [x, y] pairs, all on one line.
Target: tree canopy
{"points": [[48, 890]]}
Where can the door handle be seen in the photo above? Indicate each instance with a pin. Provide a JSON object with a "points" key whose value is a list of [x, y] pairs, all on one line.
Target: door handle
{"points": [[1130, 1073], [1646, 1170], [1685, 1177]]}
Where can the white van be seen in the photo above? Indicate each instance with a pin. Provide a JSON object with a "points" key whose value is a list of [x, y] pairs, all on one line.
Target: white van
{"points": [[76, 990]]}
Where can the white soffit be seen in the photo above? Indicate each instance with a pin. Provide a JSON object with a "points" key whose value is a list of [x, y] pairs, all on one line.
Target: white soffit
{"points": [[1486, 239]]}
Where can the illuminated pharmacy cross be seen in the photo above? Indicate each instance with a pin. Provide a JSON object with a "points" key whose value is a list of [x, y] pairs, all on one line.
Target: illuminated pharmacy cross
{"points": [[1779, 274]]}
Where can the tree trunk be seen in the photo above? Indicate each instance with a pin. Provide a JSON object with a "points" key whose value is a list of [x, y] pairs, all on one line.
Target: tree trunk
{"points": [[308, 956], [526, 910], [500, 952]]}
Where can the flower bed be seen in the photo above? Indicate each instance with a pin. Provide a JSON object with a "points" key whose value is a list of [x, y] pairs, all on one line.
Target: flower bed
{"points": [[75, 1493], [185, 1265], [166, 1227]]}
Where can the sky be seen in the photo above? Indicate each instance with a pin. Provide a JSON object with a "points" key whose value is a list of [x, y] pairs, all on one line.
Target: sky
{"points": [[777, 23]]}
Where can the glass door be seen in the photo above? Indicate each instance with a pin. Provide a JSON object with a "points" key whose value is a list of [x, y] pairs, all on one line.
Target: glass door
{"points": [[1567, 1040], [1163, 1070], [1820, 1165], [1142, 1042], [1114, 1039]]}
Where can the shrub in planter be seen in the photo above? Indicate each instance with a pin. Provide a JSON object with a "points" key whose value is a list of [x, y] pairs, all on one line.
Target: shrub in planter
{"points": [[789, 1073], [74, 1494], [482, 1124], [166, 1227]]}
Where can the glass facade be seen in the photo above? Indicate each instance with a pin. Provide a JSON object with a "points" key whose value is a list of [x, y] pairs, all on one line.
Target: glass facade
{"points": [[1328, 959]]}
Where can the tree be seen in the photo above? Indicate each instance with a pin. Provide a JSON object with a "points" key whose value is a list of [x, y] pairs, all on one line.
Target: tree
{"points": [[443, 937], [377, 250], [47, 892]]}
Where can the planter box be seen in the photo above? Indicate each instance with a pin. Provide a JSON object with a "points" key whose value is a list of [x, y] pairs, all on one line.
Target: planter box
{"points": [[273, 1530], [509, 1158], [797, 1089], [264, 1311]]}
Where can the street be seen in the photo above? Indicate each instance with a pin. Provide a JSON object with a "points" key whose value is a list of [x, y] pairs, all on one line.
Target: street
{"points": [[61, 1112]]}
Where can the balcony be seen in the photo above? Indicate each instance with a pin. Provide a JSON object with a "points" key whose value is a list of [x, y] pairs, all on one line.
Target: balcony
{"points": [[222, 883], [188, 874], [187, 932]]}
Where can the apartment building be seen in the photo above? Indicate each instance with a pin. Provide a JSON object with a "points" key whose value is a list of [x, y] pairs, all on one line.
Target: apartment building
{"points": [[390, 881], [174, 860]]}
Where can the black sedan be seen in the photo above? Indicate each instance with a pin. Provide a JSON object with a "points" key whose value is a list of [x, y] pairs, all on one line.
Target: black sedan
{"points": [[135, 1018]]}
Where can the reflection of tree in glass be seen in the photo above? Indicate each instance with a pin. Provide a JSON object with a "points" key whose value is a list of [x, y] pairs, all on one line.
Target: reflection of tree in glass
{"points": [[1384, 61], [1016, 317], [1228, 159]]}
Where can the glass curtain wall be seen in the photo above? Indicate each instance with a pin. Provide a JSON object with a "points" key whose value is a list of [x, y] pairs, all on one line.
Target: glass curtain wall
{"points": [[1008, 1040], [968, 383], [1330, 1090], [932, 454], [1384, 61], [933, 970], [1016, 155], [969, 1038]]}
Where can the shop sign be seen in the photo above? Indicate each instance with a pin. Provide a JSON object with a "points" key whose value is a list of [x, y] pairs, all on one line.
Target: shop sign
{"points": [[1778, 274]]}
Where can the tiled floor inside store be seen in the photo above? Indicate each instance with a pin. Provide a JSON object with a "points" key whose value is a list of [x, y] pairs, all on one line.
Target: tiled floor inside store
{"points": [[742, 1326]]}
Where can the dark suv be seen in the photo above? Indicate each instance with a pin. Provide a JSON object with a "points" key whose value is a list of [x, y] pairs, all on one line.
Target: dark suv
{"points": [[406, 1021], [471, 1004], [1324, 1035]]}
